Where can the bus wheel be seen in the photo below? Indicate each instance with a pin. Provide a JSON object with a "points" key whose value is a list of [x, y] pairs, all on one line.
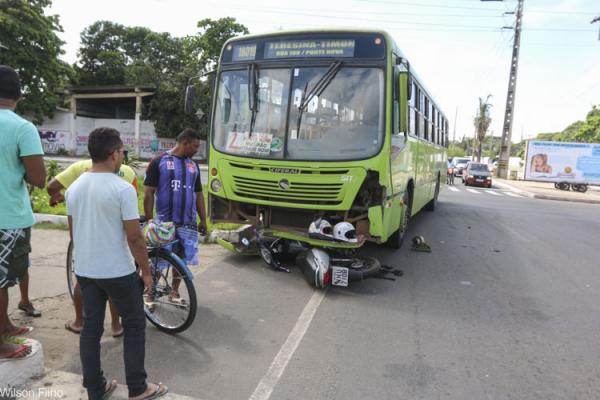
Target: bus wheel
{"points": [[433, 202], [397, 238]]}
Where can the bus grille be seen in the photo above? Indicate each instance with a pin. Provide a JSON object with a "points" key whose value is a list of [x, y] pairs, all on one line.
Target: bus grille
{"points": [[298, 192]]}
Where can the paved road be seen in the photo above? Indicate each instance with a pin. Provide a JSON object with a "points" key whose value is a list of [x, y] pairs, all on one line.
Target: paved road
{"points": [[505, 307]]}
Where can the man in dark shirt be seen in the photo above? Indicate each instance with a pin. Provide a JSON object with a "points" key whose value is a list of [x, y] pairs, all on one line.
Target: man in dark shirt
{"points": [[173, 179]]}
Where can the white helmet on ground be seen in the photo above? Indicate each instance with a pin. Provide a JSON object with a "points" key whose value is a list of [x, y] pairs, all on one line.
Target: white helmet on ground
{"points": [[344, 232], [320, 229]]}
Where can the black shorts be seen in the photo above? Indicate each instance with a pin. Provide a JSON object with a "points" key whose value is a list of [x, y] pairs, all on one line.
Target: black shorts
{"points": [[15, 246]]}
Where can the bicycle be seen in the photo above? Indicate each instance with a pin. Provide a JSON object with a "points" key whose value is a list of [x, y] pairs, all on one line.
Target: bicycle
{"points": [[171, 304]]}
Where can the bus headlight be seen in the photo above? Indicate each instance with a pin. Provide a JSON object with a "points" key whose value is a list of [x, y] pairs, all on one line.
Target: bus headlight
{"points": [[215, 185]]}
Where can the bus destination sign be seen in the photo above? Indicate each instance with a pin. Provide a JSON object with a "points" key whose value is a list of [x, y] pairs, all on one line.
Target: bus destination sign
{"points": [[309, 48], [244, 52]]}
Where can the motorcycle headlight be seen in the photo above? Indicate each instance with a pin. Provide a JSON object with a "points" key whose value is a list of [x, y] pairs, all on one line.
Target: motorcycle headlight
{"points": [[215, 185]]}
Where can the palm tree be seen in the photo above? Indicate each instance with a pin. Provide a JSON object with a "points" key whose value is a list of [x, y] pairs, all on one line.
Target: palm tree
{"points": [[482, 121]]}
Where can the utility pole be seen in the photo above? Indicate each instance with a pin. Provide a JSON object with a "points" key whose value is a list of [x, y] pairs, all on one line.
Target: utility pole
{"points": [[454, 133], [510, 97], [597, 19]]}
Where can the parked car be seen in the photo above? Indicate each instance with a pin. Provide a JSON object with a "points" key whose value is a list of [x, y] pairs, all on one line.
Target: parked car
{"points": [[477, 174], [459, 165]]}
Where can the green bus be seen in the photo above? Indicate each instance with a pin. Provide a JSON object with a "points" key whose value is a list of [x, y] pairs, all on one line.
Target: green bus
{"points": [[329, 124]]}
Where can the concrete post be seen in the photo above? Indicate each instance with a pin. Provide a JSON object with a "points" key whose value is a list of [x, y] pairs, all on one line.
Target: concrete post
{"points": [[72, 128], [138, 114]]}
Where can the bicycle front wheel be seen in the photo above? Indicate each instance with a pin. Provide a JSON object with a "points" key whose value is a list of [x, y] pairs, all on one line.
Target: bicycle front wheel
{"points": [[71, 278], [171, 305]]}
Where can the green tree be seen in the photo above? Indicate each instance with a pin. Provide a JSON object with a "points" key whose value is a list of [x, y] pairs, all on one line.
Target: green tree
{"points": [[454, 150], [30, 45], [589, 131], [213, 34], [111, 53], [482, 122]]}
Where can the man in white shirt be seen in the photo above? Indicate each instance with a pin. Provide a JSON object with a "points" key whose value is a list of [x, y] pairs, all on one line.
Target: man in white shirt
{"points": [[105, 229]]}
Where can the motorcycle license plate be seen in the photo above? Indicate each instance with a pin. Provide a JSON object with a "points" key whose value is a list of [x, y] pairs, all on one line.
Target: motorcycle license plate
{"points": [[339, 276]]}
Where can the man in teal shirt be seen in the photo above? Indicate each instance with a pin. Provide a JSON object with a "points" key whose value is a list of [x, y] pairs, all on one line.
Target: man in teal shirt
{"points": [[21, 162]]}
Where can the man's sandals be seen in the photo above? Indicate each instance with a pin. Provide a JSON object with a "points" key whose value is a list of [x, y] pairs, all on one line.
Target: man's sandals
{"points": [[30, 310], [21, 352], [109, 388], [159, 391]]}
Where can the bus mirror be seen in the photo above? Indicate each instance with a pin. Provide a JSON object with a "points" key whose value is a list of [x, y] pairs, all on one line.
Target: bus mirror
{"points": [[226, 110], [190, 97], [410, 85]]}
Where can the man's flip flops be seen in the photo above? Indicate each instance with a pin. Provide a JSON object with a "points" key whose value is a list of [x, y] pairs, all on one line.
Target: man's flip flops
{"points": [[30, 310], [109, 389], [71, 329], [22, 330], [160, 391], [18, 354]]}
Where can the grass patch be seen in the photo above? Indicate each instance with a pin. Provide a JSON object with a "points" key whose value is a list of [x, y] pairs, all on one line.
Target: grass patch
{"points": [[50, 225], [40, 203]]}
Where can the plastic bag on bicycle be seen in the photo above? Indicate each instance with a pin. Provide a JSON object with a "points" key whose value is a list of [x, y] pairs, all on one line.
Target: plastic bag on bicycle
{"points": [[186, 246]]}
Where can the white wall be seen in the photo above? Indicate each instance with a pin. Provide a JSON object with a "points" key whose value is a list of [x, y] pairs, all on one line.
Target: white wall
{"points": [[56, 135]]}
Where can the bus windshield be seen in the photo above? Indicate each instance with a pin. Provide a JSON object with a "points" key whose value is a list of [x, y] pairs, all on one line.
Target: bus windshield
{"points": [[343, 121]]}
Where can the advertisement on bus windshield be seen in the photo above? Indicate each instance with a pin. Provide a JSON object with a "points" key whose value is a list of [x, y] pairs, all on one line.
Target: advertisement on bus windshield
{"points": [[563, 162]]}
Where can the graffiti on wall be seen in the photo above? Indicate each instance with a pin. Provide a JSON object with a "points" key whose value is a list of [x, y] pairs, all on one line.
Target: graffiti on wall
{"points": [[54, 141]]}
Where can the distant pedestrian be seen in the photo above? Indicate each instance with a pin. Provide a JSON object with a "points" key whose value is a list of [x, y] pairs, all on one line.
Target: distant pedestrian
{"points": [[105, 229], [450, 174], [21, 162]]}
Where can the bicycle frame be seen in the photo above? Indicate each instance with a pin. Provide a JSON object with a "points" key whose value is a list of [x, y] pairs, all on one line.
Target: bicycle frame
{"points": [[153, 251]]}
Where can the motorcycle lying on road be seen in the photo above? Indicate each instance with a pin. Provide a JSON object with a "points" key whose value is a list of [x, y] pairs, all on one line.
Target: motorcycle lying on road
{"points": [[320, 266]]}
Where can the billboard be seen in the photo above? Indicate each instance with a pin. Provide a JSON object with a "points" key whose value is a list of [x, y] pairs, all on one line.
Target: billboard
{"points": [[562, 162]]}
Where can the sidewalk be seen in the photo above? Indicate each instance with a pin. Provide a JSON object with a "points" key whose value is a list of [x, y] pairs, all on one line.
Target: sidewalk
{"points": [[546, 190], [59, 355]]}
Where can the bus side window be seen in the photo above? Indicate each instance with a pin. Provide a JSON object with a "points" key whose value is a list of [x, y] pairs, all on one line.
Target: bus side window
{"points": [[426, 131], [417, 101], [396, 106], [421, 114], [434, 115], [412, 128], [445, 124]]}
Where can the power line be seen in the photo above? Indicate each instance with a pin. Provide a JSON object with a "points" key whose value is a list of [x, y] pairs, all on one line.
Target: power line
{"points": [[460, 27], [295, 11], [421, 4], [542, 11]]}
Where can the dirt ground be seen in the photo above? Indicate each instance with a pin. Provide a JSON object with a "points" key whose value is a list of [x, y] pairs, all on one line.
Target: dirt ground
{"points": [[48, 291]]}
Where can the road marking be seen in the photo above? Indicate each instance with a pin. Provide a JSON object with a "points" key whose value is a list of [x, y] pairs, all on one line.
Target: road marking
{"points": [[473, 191], [492, 192], [269, 381], [453, 189], [512, 195]]}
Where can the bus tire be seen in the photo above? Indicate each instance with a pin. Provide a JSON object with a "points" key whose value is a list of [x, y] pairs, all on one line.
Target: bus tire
{"points": [[433, 202], [397, 238]]}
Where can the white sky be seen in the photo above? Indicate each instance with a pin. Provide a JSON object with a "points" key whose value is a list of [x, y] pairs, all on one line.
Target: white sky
{"points": [[457, 46]]}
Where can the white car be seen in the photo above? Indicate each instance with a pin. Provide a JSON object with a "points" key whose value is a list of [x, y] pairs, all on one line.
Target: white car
{"points": [[459, 165]]}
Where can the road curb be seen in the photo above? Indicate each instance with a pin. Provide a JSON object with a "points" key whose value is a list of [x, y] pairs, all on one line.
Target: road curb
{"points": [[54, 219], [544, 196]]}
